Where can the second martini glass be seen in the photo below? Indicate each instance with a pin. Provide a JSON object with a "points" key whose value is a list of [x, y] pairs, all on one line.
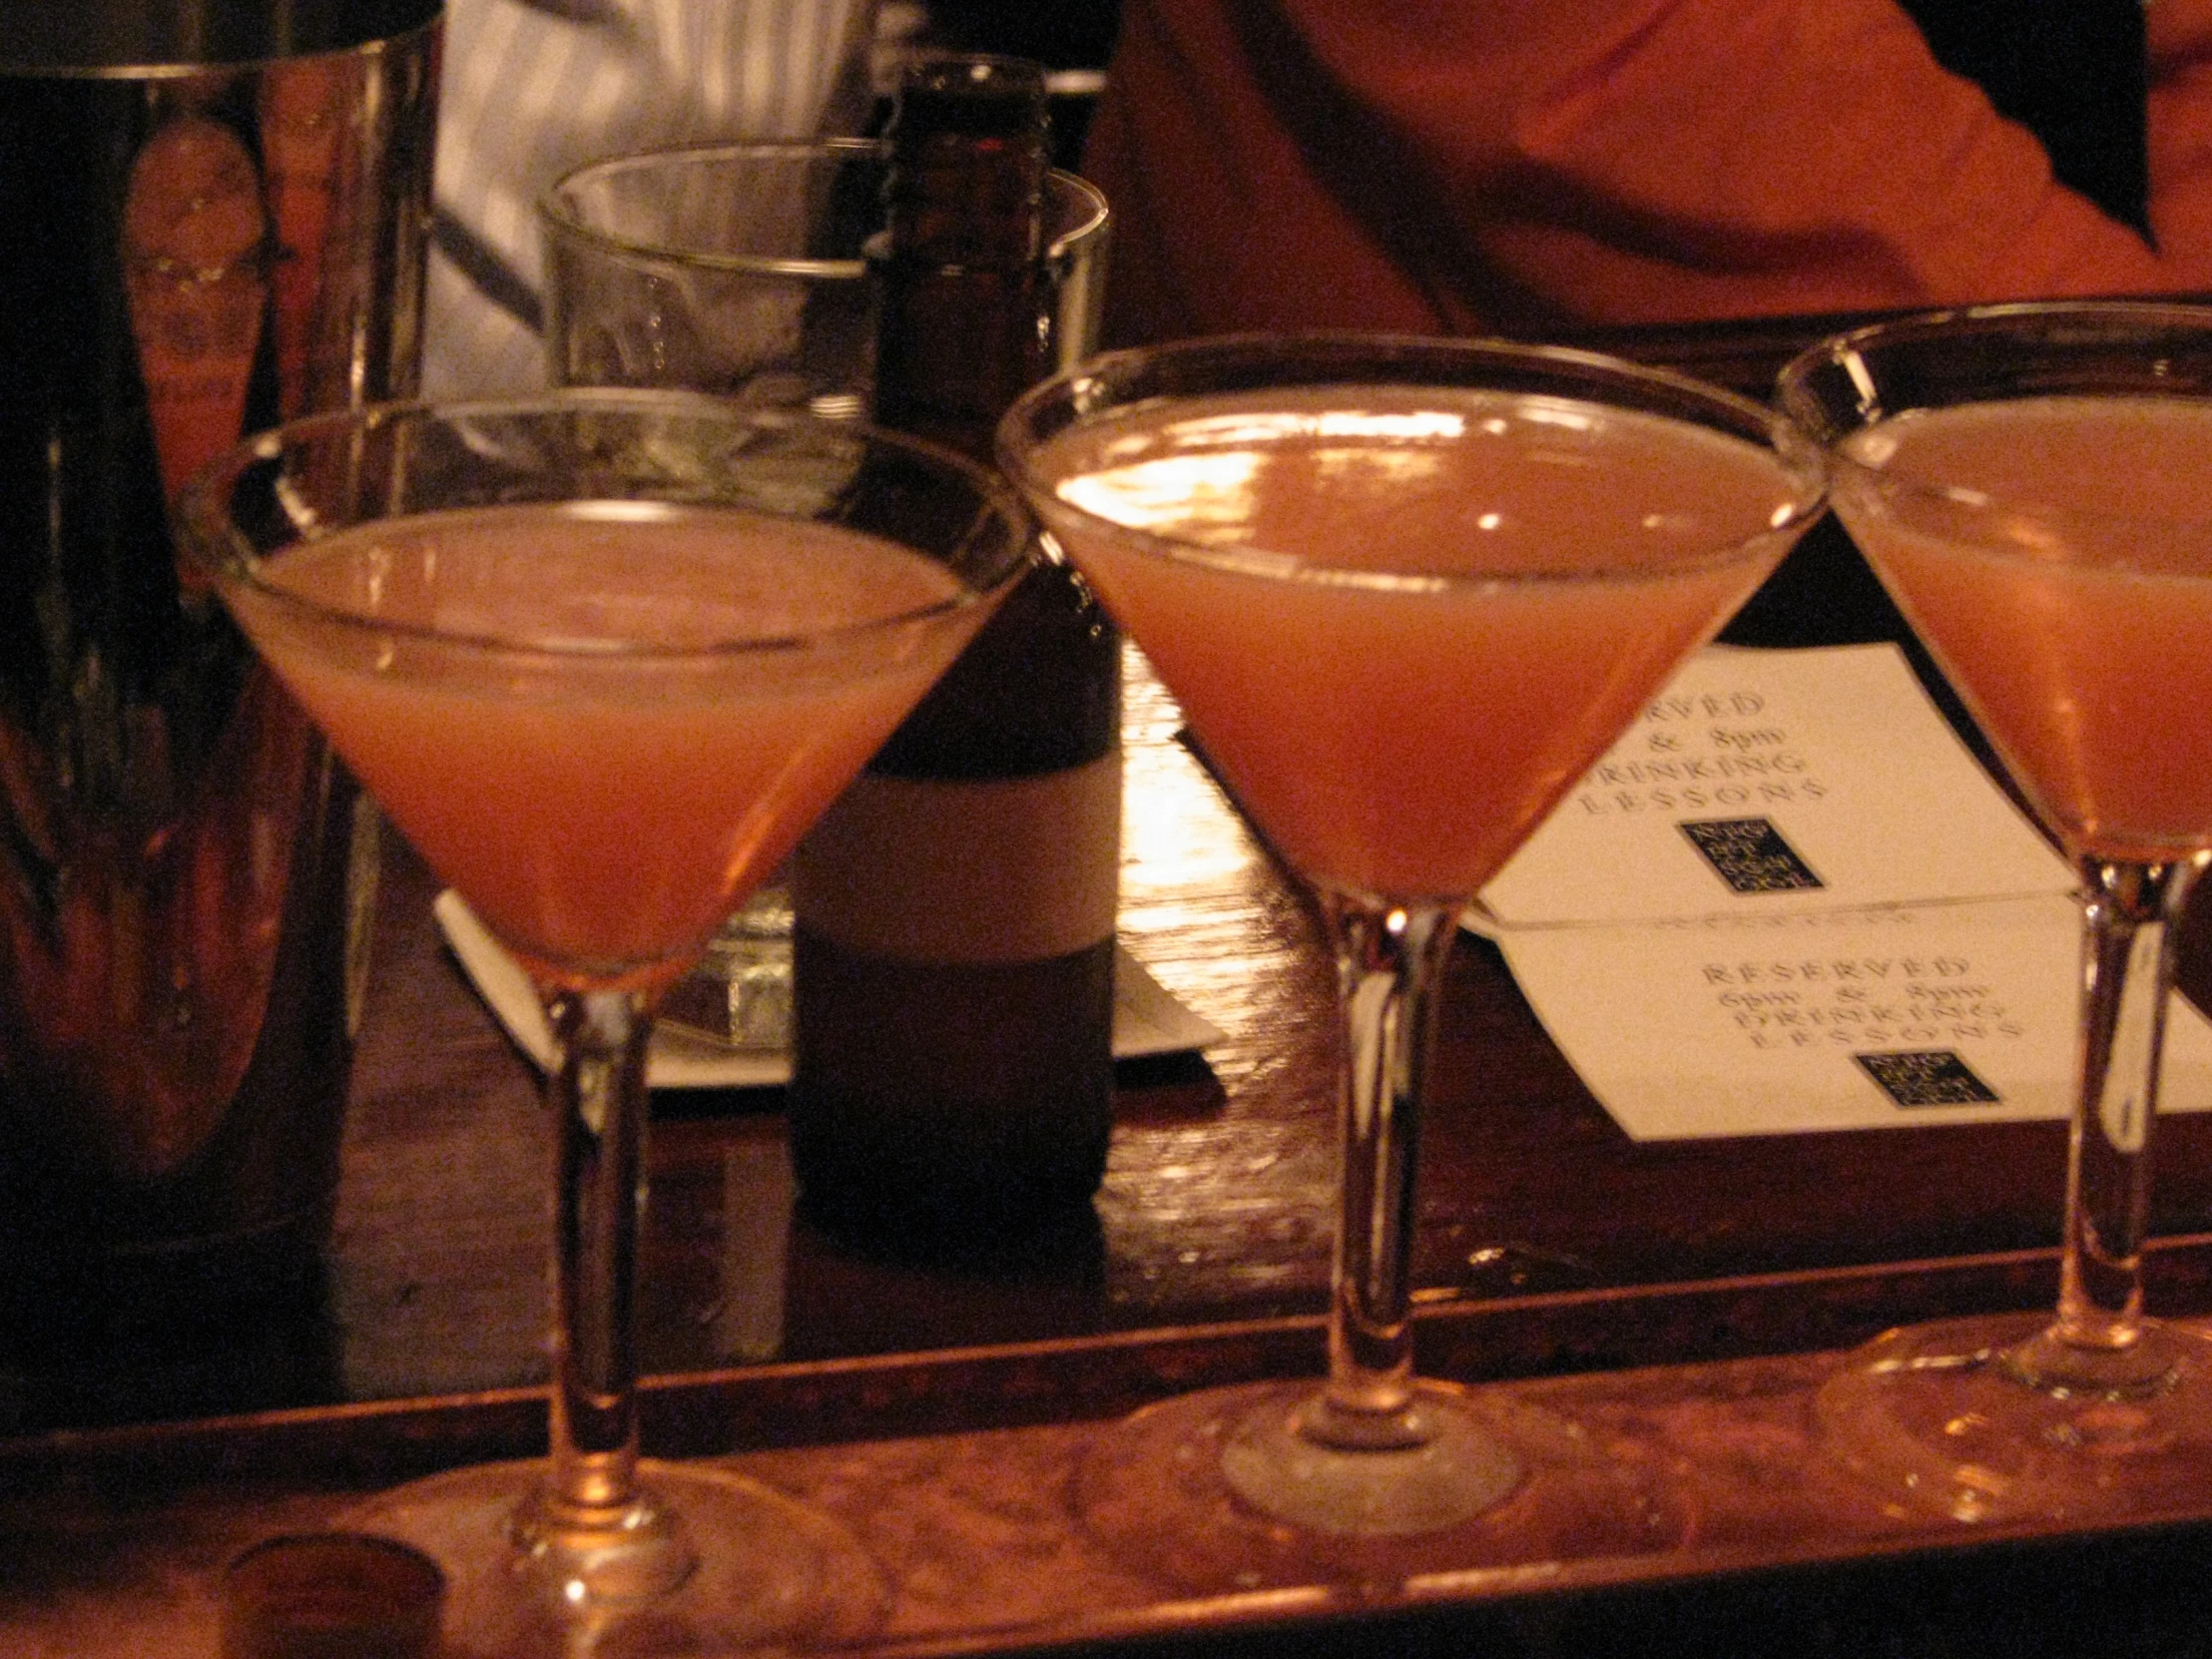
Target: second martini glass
{"points": [[1405, 593], [603, 658], [2031, 483]]}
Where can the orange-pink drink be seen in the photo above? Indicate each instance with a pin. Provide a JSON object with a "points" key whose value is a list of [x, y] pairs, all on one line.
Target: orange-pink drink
{"points": [[2057, 556], [1404, 621], [606, 781]]}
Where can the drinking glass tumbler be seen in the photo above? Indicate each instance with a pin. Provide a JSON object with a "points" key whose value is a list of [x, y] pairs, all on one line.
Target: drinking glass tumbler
{"points": [[741, 270]]}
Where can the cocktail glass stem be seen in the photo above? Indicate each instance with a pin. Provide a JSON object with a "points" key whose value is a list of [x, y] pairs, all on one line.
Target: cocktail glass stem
{"points": [[1372, 1451], [1389, 965], [2094, 1345], [590, 1525]]}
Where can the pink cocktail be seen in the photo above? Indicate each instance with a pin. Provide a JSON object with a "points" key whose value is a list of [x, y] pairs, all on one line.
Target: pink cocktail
{"points": [[1406, 591], [2073, 601], [608, 780], [2033, 483], [603, 658], [1413, 615]]}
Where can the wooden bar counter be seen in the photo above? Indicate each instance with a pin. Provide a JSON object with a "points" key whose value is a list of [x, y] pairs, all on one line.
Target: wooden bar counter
{"points": [[1676, 1299]]}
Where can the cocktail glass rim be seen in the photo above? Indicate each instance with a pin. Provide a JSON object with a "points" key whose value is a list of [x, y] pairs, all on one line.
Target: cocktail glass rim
{"points": [[1020, 441], [2151, 315], [556, 214], [201, 507]]}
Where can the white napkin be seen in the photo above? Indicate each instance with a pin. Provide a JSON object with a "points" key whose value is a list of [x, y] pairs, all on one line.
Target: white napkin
{"points": [[1147, 1020]]}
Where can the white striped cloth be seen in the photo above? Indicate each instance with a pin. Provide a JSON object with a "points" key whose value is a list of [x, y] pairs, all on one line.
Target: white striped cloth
{"points": [[533, 88]]}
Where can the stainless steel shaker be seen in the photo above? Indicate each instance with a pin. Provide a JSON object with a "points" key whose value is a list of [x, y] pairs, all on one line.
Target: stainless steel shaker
{"points": [[213, 215]]}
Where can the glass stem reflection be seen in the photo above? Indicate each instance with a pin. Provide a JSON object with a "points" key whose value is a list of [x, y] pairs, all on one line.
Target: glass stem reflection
{"points": [[2128, 917], [1390, 964]]}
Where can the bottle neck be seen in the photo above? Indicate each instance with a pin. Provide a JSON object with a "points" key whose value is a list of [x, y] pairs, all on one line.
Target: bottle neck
{"points": [[976, 201], [961, 287]]}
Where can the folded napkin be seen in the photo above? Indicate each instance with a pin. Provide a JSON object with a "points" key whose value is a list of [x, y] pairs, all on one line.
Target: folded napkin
{"points": [[1147, 1020]]}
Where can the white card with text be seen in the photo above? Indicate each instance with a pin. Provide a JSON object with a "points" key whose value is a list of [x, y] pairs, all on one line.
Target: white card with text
{"points": [[1895, 1017], [1763, 782]]}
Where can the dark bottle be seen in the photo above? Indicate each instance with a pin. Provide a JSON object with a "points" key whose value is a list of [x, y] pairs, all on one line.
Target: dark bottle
{"points": [[953, 940]]}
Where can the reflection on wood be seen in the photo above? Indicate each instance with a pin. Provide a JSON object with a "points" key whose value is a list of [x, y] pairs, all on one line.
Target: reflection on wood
{"points": [[114, 1542]]}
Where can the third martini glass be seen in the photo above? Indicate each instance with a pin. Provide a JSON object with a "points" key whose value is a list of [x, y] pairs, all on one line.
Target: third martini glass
{"points": [[603, 658], [1406, 591], [2031, 483]]}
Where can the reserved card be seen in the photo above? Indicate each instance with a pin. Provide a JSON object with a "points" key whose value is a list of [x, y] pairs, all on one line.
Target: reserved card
{"points": [[1892, 1018], [1769, 781], [1789, 901]]}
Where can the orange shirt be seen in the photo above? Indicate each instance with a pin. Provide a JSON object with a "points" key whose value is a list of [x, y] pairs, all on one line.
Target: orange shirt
{"points": [[1517, 166]]}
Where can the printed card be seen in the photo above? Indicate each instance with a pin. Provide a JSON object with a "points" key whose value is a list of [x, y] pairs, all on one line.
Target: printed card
{"points": [[1763, 782], [1789, 901], [1894, 1017]]}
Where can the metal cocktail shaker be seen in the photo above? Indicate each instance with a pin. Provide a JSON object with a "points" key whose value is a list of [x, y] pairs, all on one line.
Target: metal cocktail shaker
{"points": [[213, 216]]}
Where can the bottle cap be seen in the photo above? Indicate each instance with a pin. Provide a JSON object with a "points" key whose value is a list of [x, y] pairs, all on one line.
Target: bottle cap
{"points": [[974, 95], [332, 1595]]}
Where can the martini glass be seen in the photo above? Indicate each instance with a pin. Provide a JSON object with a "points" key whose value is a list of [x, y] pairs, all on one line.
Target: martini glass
{"points": [[1406, 591], [2030, 481], [603, 658]]}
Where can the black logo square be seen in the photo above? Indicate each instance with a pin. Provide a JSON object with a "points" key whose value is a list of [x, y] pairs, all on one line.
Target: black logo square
{"points": [[1750, 854], [1926, 1077]]}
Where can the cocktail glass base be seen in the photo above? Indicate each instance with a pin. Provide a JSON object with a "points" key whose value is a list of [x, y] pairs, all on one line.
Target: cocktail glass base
{"points": [[764, 1569], [1217, 1493], [1961, 1419]]}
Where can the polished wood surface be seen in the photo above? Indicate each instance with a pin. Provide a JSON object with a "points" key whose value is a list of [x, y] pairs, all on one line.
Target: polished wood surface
{"points": [[1550, 1249], [1216, 1207], [1763, 1546]]}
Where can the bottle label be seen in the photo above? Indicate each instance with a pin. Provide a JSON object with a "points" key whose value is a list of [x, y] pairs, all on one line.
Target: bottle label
{"points": [[972, 871]]}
